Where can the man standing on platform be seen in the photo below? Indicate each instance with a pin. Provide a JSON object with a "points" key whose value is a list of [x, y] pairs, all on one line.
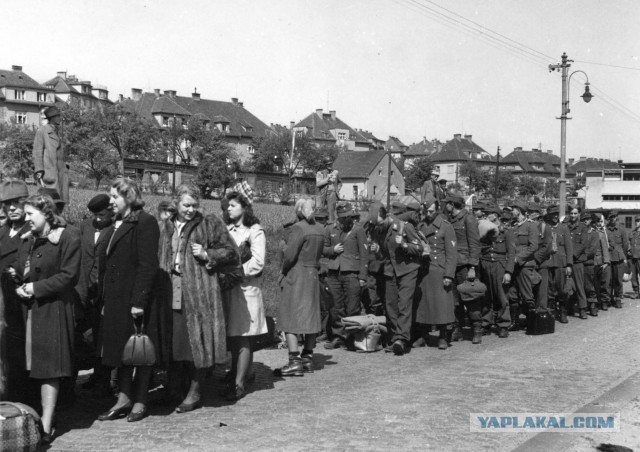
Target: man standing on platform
{"points": [[50, 168], [328, 184]]}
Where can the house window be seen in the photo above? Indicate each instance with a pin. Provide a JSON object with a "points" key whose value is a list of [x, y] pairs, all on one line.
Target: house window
{"points": [[621, 197], [392, 173], [374, 190], [251, 149], [227, 128], [42, 97], [342, 135], [355, 192], [379, 172], [21, 117], [165, 121], [19, 93], [207, 125], [628, 222]]}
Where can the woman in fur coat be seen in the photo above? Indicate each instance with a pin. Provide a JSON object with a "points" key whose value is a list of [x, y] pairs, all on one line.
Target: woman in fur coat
{"points": [[193, 249]]}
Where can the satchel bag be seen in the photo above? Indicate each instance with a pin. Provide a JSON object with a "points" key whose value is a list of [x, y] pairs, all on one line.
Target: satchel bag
{"points": [[139, 350], [540, 321], [19, 427]]}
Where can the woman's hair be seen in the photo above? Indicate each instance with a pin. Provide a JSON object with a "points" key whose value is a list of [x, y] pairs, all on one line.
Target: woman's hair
{"points": [[45, 204], [304, 209], [186, 190], [129, 190], [248, 218]]}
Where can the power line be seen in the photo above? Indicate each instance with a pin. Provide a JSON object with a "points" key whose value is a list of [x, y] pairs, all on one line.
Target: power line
{"points": [[609, 65]]}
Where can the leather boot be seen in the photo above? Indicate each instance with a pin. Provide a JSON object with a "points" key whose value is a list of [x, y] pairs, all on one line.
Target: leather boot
{"points": [[514, 310], [456, 334], [307, 363], [563, 315], [442, 340], [605, 306], [593, 309], [583, 314], [617, 303], [477, 335], [503, 332], [293, 369]]}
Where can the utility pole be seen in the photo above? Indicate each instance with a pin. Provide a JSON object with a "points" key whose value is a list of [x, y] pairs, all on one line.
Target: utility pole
{"points": [[495, 191], [389, 180], [173, 179]]}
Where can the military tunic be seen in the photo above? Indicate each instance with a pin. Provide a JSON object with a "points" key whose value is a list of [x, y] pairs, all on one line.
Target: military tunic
{"points": [[618, 245], [497, 257]]}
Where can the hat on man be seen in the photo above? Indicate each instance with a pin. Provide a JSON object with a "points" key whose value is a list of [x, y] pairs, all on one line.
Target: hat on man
{"points": [[506, 216], [612, 214], [321, 212], [428, 200], [53, 194], [491, 208], [435, 171], [414, 205], [480, 205], [553, 210], [98, 203], [522, 207], [13, 189], [451, 197], [51, 112], [595, 218], [344, 210], [585, 216], [397, 208], [534, 208]]}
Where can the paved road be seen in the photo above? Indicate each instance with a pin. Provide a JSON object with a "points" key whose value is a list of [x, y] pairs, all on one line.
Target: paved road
{"points": [[377, 401]]}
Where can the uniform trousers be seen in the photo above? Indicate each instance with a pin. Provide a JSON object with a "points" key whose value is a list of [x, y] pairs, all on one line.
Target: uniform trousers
{"points": [[471, 308], [399, 292], [525, 280], [635, 274], [590, 283], [578, 278], [345, 290], [602, 281], [495, 306], [551, 293], [617, 275]]}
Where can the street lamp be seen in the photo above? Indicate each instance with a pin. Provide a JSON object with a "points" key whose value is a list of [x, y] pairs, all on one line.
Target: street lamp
{"points": [[566, 83]]}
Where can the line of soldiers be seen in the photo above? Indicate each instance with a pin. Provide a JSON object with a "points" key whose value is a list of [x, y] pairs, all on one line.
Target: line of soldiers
{"points": [[527, 256]]}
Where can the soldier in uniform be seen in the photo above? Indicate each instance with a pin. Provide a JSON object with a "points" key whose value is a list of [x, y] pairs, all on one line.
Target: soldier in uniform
{"points": [[601, 262], [345, 247], [558, 266], [400, 249], [432, 188], [376, 232], [580, 240], [468, 245], [525, 237], [618, 245], [497, 262], [328, 184], [51, 170], [634, 255], [326, 300], [593, 263]]}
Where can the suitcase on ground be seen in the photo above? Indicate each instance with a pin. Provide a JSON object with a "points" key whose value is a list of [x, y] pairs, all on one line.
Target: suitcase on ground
{"points": [[19, 427], [540, 321]]}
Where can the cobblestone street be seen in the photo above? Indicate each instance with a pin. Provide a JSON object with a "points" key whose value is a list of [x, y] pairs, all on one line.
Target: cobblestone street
{"points": [[420, 401]]}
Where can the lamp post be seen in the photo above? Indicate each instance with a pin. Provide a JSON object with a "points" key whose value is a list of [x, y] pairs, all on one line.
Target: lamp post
{"points": [[566, 83], [389, 179], [173, 178]]}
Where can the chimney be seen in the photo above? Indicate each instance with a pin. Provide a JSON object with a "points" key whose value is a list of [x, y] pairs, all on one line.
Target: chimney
{"points": [[620, 162], [457, 136], [241, 104], [170, 92], [291, 125], [535, 150], [136, 94], [583, 158], [120, 97], [319, 112], [571, 161], [468, 137], [16, 68], [195, 96], [519, 148], [549, 151], [62, 74], [157, 92], [333, 114], [234, 100], [424, 140]]}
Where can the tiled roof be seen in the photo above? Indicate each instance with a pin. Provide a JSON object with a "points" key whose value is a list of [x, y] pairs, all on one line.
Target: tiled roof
{"points": [[60, 85], [368, 135], [358, 163], [421, 149], [592, 164], [19, 79], [319, 127], [534, 161], [241, 121], [461, 149], [395, 143]]}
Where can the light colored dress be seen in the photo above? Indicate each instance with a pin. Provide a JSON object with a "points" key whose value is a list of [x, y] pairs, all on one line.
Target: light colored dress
{"points": [[245, 309]]}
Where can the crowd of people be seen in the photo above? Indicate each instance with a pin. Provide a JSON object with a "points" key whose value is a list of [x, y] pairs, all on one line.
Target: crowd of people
{"points": [[192, 282]]}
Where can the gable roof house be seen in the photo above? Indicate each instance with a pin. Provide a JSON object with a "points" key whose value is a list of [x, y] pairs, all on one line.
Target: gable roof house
{"points": [[239, 125], [328, 129], [455, 153], [536, 163], [364, 175], [423, 148], [374, 142], [396, 146], [585, 164], [22, 98], [69, 88]]}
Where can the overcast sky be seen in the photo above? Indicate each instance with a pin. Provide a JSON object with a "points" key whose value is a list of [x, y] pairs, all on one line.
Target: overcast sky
{"points": [[394, 67]]}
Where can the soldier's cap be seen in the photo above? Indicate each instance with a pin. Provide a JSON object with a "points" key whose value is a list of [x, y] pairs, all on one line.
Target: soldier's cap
{"points": [[428, 200], [612, 214], [344, 210], [586, 216], [522, 207], [414, 205], [553, 210], [13, 189], [98, 203], [435, 171], [480, 205], [595, 218], [321, 212], [51, 112], [398, 208], [442, 181], [534, 208], [506, 216], [454, 198], [492, 208]]}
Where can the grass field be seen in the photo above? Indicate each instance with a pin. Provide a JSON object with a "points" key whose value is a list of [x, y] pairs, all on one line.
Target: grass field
{"points": [[271, 216]]}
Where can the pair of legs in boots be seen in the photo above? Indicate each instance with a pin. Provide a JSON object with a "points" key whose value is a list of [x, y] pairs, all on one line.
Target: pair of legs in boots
{"points": [[471, 309], [299, 364], [422, 332]]}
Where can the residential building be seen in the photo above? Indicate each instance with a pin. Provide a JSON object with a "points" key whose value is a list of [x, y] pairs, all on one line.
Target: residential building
{"points": [[423, 148], [239, 125], [397, 148], [327, 129], [374, 142], [22, 98], [584, 164], [537, 163], [614, 189], [364, 175], [457, 152], [69, 89]]}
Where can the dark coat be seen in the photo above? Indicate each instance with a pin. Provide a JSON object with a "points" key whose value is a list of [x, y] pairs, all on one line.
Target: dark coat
{"points": [[91, 250], [618, 242], [562, 256], [435, 302], [201, 295], [48, 157], [467, 237], [545, 240], [500, 248], [355, 256], [299, 306], [634, 244], [525, 241], [580, 238], [54, 269], [131, 266], [400, 260]]}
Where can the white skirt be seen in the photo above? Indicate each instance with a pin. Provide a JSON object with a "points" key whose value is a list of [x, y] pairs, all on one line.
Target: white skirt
{"points": [[245, 309]]}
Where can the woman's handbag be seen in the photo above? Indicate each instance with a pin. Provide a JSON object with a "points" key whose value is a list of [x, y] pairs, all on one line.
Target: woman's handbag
{"points": [[19, 427], [139, 350]]}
